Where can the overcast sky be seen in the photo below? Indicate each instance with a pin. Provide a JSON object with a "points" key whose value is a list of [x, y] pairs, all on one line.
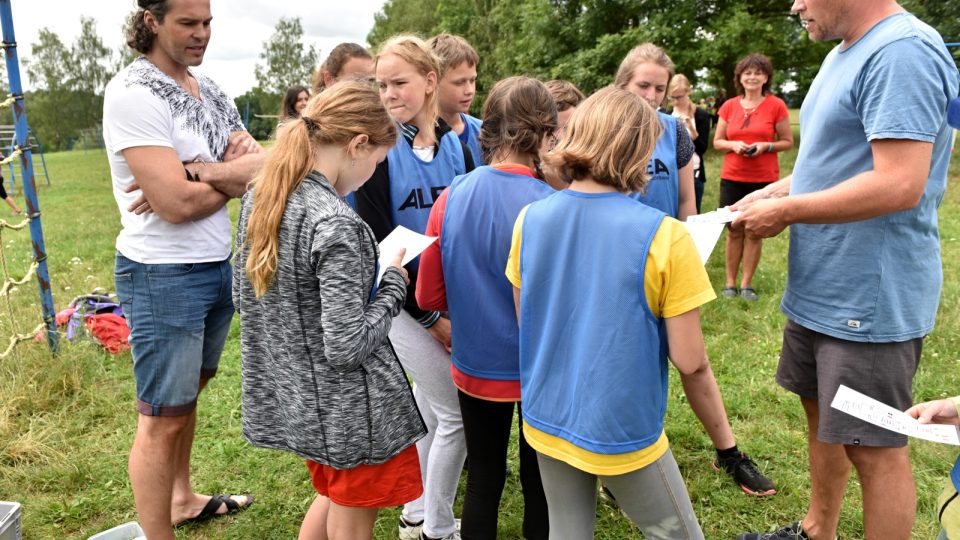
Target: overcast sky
{"points": [[239, 29]]}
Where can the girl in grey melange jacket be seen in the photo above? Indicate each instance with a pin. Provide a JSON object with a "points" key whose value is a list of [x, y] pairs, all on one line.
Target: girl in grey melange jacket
{"points": [[320, 378]]}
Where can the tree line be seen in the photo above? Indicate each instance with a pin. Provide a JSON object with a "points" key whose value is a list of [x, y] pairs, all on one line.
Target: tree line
{"points": [[579, 40], [584, 41]]}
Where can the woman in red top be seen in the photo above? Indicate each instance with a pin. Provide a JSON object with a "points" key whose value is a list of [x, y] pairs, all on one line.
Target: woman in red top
{"points": [[751, 129]]}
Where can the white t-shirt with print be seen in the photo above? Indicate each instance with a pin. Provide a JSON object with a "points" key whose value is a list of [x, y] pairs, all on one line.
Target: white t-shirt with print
{"points": [[142, 106]]}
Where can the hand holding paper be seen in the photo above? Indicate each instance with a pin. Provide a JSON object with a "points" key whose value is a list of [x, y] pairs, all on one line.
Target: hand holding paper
{"points": [[412, 243], [870, 410]]}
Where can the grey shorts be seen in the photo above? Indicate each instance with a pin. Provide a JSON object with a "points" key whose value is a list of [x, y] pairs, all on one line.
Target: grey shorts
{"points": [[814, 365]]}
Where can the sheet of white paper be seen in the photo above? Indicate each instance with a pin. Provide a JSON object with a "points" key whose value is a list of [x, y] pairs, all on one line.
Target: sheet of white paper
{"points": [[705, 235], [402, 237], [870, 410], [721, 215]]}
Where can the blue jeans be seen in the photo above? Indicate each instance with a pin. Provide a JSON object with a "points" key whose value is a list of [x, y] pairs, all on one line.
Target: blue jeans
{"points": [[179, 316]]}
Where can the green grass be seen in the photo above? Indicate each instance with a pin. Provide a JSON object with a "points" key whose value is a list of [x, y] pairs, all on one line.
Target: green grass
{"points": [[66, 423]]}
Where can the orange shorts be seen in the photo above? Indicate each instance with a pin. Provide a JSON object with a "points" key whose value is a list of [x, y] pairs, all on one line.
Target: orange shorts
{"points": [[392, 483]]}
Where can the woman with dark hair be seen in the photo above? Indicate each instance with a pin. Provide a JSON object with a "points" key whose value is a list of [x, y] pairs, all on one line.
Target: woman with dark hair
{"points": [[751, 130], [294, 101]]}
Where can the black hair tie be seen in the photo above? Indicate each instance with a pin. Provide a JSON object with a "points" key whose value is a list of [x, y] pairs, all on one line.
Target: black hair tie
{"points": [[312, 125]]}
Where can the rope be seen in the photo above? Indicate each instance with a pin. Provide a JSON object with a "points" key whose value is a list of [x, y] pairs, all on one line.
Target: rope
{"points": [[15, 226], [13, 155], [17, 338], [8, 283]]}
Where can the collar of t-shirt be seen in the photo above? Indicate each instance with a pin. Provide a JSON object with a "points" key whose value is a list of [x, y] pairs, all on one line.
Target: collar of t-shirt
{"points": [[409, 133], [515, 168]]}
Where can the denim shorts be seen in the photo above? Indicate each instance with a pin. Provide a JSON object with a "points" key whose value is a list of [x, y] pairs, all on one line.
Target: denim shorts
{"points": [[179, 316]]}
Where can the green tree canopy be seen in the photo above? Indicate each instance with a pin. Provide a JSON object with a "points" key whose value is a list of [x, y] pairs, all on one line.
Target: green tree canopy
{"points": [[68, 84], [585, 40], [286, 61]]}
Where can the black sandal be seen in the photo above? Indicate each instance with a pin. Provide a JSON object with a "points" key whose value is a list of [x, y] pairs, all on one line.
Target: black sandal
{"points": [[209, 510]]}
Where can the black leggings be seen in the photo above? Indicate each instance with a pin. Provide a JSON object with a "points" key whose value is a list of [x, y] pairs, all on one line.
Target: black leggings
{"points": [[486, 426]]}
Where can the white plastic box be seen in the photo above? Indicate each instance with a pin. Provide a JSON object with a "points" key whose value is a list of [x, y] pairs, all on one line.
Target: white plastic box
{"points": [[9, 521], [127, 531]]}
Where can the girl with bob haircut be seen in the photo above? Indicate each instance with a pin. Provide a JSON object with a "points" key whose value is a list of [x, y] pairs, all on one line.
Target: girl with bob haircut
{"points": [[603, 284], [425, 159], [345, 61], [646, 72], [314, 323], [462, 273]]}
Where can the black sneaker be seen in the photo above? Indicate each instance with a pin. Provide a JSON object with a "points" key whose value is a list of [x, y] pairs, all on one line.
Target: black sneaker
{"points": [[791, 532], [745, 473]]}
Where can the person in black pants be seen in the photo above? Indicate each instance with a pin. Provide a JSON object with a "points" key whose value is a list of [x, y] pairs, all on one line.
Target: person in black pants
{"points": [[697, 122]]}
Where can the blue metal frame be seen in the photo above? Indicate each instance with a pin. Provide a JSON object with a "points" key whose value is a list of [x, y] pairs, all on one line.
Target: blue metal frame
{"points": [[9, 46]]}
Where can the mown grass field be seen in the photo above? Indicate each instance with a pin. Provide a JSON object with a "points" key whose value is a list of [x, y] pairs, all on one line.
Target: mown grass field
{"points": [[67, 422]]}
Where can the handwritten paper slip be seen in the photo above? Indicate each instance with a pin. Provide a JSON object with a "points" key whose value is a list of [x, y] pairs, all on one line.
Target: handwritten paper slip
{"points": [[402, 237], [870, 410]]}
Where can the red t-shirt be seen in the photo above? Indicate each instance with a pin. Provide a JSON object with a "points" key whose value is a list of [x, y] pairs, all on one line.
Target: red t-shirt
{"points": [[758, 126]]}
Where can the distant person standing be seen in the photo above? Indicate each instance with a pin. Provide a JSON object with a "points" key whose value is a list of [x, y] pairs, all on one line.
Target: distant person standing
{"points": [[178, 152], [7, 198], [752, 129], [864, 273], [293, 103], [697, 123], [718, 102]]}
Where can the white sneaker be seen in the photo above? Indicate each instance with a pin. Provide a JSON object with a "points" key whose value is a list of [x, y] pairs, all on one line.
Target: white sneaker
{"points": [[409, 531], [455, 535]]}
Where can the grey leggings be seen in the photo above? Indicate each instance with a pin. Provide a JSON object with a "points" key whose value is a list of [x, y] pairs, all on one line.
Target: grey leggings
{"points": [[654, 497]]}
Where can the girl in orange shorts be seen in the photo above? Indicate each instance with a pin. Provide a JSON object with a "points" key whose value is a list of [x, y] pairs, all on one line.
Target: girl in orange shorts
{"points": [[320, 378]]}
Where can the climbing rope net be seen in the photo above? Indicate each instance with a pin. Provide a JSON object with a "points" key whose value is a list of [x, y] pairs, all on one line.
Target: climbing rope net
{"points": [[22, 152], [9, 286]]}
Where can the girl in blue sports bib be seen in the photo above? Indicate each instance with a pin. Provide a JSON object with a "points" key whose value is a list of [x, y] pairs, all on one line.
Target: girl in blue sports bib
{"points": [[603, 284], [646, 72], [462, 273], [423, 162]]}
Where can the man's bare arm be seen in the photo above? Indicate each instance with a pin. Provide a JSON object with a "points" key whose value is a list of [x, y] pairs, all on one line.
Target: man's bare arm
{"points": [[160, 176], [896, 182], [241, 162]]}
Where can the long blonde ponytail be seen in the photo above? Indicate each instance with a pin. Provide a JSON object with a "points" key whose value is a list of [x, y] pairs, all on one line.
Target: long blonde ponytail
{"points": [[335, 117]]}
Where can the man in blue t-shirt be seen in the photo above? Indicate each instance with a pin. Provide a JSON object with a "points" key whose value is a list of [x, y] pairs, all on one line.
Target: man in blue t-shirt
{"points": [[864, 274]]}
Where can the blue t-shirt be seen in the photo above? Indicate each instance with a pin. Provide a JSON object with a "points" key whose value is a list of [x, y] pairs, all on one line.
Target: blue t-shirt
{"points": [[663, 186], [471, 137], [482, 207], [586, 330], [955, 474], [876, 280]]}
